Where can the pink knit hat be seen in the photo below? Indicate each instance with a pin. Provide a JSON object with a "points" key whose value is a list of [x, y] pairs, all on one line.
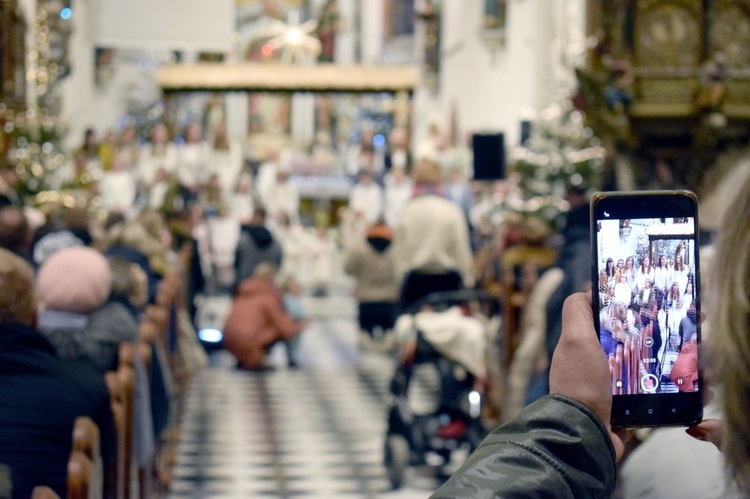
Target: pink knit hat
{"points": [[75, 280]]}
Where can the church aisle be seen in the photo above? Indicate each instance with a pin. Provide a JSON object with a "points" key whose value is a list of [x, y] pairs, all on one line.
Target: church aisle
{"points": [[316, 431]]}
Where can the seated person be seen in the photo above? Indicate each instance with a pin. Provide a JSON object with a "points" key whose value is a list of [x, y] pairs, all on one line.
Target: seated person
{"points": [[74, 285], [42, 394]]}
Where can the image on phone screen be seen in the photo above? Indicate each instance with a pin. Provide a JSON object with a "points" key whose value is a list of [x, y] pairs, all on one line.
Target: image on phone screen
{"points": [[647, 303]]}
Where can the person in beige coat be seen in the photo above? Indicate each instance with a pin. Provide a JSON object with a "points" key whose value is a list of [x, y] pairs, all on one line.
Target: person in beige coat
{"points": [[431, 238]]}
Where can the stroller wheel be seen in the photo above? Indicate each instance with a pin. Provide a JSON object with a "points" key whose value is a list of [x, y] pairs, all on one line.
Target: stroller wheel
{"points": [[396, 459]]}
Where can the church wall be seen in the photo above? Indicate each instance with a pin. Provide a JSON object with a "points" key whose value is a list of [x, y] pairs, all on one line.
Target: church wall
{"points": [[491, 89], [494, 89]]}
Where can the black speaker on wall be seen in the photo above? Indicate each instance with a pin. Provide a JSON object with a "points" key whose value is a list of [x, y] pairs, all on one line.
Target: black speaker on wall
{"points": [[489, 156], [525, 132]]}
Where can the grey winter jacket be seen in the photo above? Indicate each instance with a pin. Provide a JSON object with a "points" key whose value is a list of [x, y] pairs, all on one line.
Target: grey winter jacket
{"points": [[94, 338], [555, 448]]}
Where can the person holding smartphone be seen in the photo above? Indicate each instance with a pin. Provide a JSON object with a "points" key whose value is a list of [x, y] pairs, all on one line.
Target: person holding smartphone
{"points": [[564, 445], [570, 428]]}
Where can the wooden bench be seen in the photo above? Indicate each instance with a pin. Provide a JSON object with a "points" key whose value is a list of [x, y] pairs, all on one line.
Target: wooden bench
{"points": [[119, 480], [85, 474]]}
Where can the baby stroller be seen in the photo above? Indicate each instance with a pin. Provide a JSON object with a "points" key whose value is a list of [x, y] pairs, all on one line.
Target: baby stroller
{"points": [[448, 343]]}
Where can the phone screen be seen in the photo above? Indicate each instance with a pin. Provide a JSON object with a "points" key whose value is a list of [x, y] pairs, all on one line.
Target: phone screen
{"points": [[647, 304]]}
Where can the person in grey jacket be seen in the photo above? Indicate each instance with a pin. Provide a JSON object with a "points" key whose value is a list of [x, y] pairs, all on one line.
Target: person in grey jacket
{"points": [[256, 245], [562, 445]]}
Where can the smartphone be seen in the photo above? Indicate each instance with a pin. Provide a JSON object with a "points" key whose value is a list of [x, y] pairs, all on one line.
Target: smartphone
{"points": [[647, 304]]}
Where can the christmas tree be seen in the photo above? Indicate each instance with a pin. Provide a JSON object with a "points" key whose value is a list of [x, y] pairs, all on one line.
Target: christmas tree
{"points": [[35, 135], [560, 152]]}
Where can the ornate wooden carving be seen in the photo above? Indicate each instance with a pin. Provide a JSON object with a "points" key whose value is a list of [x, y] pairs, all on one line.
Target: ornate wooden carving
{"points": [[669, 78], [12, 54]]}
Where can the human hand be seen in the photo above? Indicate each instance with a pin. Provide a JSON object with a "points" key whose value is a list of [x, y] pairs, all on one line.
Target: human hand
{"points": [[580, 369], [708, 430]]}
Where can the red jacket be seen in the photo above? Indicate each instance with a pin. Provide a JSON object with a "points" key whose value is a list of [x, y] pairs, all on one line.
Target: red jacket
{"points": [[256, 321], [684, 372]]}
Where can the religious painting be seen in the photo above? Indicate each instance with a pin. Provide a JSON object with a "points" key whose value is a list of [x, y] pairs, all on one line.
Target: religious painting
{"points": [[428, 12], [270, 113], [327, 28], [251, 12], [211, 57], [494, 14], [399, 18], [104, 65]]}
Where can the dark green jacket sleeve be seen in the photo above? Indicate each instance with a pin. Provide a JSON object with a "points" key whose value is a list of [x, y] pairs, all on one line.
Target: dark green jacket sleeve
{"points": [[555, 448]]}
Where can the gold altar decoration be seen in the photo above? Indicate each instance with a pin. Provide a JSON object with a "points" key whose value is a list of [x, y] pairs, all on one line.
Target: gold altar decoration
{"points": [[262, 77]]}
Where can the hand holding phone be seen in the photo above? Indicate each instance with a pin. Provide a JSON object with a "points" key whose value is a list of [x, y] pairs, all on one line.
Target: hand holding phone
{"points": [[590, 386], [646, 304]]}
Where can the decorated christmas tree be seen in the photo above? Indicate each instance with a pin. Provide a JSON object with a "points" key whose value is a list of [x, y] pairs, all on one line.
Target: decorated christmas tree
{"points": [[560, 152], [35, 135]]}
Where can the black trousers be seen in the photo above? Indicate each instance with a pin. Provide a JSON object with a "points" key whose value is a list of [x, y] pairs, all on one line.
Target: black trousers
{"points": [[374, 314]]}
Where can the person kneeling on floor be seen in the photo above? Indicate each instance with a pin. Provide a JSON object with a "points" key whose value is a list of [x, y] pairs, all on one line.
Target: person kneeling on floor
{"points": [[257, 319]]}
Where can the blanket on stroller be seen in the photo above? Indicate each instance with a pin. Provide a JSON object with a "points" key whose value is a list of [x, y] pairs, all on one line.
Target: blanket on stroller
{"points": [[460, 338]]}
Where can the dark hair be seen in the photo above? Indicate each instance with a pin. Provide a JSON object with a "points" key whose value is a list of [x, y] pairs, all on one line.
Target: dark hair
{"points": [[606, 267]]}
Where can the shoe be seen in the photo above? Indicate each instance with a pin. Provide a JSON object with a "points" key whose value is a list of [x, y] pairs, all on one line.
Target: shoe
{"points": [[454, 429], [261, 368]]}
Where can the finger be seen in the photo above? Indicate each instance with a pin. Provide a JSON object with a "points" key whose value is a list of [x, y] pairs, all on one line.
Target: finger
{"points": [[708, 430], [577, 307], [579, 345], [620, 437]]}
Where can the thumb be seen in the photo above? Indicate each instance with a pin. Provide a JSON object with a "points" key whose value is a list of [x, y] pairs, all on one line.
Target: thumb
{"points": [[708, 430]]}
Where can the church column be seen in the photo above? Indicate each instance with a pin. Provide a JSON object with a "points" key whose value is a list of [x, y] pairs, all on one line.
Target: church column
{"points": [[303, 118], [371, 38], [346, 37], [236, 106]]}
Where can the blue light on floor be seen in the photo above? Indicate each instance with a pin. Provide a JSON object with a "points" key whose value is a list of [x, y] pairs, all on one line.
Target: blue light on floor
{"points": [[210, 335], [66, 13]]}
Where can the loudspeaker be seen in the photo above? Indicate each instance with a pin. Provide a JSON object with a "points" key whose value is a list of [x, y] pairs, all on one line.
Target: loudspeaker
{"points": [[489, 156], [525, 132]]}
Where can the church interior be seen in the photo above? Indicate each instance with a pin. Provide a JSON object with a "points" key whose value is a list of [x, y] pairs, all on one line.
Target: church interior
{"points": [[519, 103]]}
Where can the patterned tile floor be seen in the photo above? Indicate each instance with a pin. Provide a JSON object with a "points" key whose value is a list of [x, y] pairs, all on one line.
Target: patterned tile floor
{"points": [[312, 432]]}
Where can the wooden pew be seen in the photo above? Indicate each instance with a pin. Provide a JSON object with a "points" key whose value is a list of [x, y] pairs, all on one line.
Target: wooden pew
{"points": [[43, 492], [81, 471], [528, 261], [85, 474], [119, 481]]}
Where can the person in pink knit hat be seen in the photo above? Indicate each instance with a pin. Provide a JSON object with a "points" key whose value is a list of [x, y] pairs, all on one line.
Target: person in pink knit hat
{"points": [[76, 316]]}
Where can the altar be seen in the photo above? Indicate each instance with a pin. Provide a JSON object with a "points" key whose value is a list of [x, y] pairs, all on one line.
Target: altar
{"points": [[306, 107]]}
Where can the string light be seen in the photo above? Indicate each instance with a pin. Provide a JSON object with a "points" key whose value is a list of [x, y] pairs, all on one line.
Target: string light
{"points": [[35, 134]]}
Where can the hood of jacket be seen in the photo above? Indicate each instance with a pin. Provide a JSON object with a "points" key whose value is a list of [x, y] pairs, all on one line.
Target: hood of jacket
{"points": [[261, 236], [255, 286], [379, 237], [379, 244], [94, 338]]}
